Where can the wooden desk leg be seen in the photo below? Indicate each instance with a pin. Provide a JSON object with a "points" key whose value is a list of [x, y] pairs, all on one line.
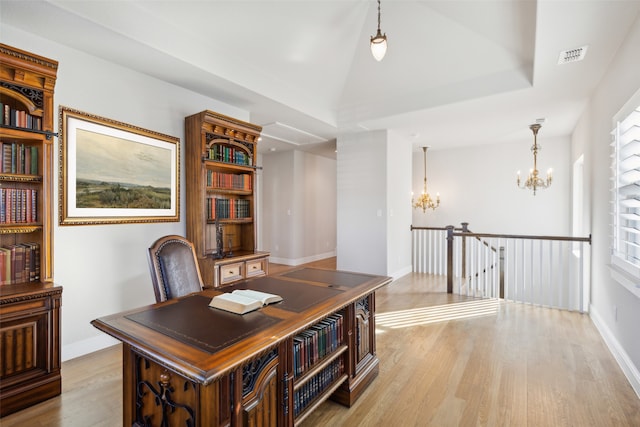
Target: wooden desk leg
{"points": [[128, 386]]}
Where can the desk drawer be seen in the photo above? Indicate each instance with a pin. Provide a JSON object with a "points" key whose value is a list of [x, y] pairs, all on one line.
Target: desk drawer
{"points": [[256, 267], [231, 272]]}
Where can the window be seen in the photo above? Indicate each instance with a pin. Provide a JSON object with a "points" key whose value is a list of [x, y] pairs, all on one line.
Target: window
{"points": [[625, 192]]}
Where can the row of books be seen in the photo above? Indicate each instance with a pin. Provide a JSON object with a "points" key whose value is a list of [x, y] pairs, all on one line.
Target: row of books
{"points": [[228, 180], [18, 158], [313, 344], [18, 205], [223, 153], [222, 208], [19, 263], [19, 118], [306, 394]]}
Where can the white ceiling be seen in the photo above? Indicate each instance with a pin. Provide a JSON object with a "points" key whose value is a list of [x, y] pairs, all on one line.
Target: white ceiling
{"points": [[457, 73]]}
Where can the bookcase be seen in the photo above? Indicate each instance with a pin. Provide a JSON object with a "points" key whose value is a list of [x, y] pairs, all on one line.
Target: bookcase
{"points": [[29, 302], [318, 363], [220, 163]]}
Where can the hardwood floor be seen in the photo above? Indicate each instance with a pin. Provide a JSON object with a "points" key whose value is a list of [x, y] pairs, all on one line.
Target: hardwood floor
{"points": [[444, 361]]}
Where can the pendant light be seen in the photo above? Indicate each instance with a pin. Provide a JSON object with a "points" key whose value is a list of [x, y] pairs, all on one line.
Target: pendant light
{"points": [[425, 201], [379, 42], [534, 181]]}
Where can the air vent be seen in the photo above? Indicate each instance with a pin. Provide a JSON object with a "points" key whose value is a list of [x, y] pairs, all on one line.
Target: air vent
{"points": [[572, 55]]}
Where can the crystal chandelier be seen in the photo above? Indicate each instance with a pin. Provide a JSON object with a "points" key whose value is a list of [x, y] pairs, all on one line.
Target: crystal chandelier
{"points": [[425, 201], [534, 181], [379, 42]]}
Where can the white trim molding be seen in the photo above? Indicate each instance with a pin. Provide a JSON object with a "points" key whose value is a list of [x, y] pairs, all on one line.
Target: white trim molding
{"points": [[623, 359], [299, 261], [81, 348]]}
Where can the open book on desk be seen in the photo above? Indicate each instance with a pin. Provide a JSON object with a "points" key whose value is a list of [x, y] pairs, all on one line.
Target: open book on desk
{"points": [[242, 301]]}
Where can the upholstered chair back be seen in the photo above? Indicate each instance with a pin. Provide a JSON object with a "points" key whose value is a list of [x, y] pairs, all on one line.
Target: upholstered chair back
{"points": [[174, 268]]}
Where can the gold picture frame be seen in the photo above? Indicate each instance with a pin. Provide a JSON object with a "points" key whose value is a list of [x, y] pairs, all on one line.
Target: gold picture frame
{"points": [[115, 173]]}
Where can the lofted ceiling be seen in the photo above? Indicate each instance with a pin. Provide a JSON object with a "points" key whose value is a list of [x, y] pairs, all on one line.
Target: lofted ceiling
{"points": [[457, 73]]}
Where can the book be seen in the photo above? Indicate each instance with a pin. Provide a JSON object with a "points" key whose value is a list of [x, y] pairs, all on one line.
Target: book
{"points": [[243, 301]]}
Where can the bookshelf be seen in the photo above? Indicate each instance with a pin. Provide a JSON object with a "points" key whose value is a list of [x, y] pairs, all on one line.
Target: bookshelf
{"points": [[29, 302], [220, 160], [318, 364]]}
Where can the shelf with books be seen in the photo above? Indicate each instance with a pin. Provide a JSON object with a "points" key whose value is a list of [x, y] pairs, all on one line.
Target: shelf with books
{"points": [[29, 300], [27, 84], [228, 209], [301, 380], [19, 158], [229, 153], [18, 111], [18, 205], [20, 263], [220, 153], [318, 363], [228, 181]]}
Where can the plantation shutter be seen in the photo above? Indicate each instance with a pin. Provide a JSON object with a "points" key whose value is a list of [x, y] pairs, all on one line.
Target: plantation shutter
{"points": [[626, 193]]}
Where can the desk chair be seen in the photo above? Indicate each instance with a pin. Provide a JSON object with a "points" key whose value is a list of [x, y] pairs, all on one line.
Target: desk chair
{"points": [[174, 268]]}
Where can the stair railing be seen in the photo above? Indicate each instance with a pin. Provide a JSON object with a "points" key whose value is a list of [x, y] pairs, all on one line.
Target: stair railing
{"points": [[543, 270]]}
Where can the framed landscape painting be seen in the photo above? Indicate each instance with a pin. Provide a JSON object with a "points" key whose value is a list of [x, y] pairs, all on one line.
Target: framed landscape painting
{"points": [[115, 173]]}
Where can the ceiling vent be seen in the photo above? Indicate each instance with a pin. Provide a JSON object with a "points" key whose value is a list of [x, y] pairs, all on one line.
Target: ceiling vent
{"points": [[572, 55]]}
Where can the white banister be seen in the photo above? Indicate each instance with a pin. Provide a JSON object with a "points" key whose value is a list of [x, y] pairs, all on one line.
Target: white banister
{"points": [[547, 271]]}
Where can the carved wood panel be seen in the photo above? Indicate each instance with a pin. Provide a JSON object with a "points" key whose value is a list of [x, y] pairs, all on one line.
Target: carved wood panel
{"points": [[260, 391], [363, 330], [163, 397], [18, 349], [29, 345]]}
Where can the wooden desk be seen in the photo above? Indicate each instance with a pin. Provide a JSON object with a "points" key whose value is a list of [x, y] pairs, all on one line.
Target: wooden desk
{"points": [[187, 364]]}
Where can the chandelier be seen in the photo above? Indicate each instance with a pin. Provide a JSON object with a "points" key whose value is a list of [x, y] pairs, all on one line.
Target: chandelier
{"points": [[425, 201], [379, 42], [534, 181]]}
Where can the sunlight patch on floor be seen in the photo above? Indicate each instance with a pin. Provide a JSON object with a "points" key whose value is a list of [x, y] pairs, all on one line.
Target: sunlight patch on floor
{"points": [[438, 313]]}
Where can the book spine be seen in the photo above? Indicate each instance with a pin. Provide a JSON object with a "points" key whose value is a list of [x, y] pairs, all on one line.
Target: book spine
{"points": [[34, 160]]}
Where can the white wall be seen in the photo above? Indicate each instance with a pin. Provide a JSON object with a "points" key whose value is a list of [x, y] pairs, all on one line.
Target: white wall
{"points": [[278, 187], [374, 203], [299, 207], [615, 310], [319, 204], [478, 185], [398, 206], [103, 268], [362, 202]]}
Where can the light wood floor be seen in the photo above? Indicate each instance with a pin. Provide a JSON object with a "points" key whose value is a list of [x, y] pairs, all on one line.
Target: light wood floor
{"points": [[444, 361]]}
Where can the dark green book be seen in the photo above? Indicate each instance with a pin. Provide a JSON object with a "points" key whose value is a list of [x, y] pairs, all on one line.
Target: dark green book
{"points": [[34, 160]]}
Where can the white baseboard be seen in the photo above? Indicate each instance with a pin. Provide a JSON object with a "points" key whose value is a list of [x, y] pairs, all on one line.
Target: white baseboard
{"points": [[299, 261], [80, 348], [402, 272], [621, 356]]}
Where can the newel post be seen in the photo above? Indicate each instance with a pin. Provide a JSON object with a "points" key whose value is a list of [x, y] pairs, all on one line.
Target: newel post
{"points": [[449, 259], [463, 255], [502, 272]]}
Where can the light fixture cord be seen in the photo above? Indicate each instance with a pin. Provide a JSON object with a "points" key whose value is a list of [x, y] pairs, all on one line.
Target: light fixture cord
{"points": [[378, 16], [425, 169], [535, 151]]}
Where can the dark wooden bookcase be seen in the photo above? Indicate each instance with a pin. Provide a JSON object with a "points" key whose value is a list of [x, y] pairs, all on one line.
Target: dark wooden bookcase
{"points": [[220, 160], [29, 302]]}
